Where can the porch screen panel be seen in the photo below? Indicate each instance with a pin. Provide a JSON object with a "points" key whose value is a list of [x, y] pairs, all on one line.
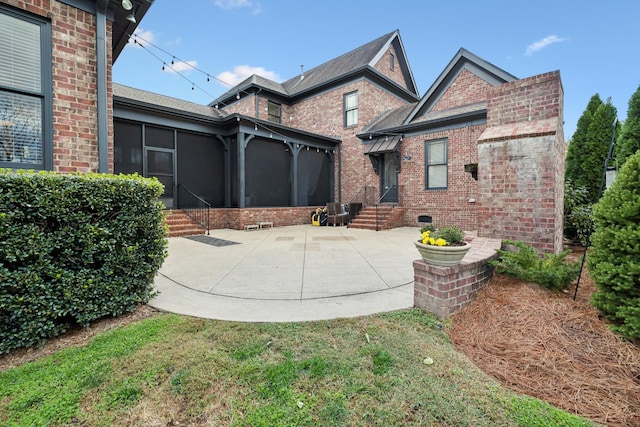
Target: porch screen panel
{"points": [[201, 166], [314, 178], [158, 137], [267, 174], [127, 147]]}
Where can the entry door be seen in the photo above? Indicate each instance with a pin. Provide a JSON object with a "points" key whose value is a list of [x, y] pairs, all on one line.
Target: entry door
{"points": [[160, 164], [389, 178]]}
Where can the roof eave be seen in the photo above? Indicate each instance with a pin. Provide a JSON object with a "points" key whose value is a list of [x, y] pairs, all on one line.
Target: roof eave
{"points": [[428, 125], [159, 109]]}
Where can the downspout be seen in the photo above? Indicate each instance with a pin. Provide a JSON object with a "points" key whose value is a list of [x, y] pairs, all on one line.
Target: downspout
{"points": [[101, 77], [340, 173]]}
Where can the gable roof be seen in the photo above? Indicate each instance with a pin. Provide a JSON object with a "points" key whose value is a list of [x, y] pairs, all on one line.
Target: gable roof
{"points": [[418, 115], [362, 57], [462, 60], [348, 65]]}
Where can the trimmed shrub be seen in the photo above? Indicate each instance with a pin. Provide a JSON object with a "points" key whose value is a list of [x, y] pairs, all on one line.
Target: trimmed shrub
{"points": [[524, 263], [73, 249], [614, 257]]}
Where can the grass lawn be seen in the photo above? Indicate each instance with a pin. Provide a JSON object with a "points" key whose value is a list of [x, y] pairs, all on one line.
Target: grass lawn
{"points": [[395, 369]]}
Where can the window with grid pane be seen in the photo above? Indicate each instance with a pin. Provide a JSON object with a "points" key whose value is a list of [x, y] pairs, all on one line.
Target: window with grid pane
{"points": [[24, 90], [274, 112], [351, 109], [436, 164]]}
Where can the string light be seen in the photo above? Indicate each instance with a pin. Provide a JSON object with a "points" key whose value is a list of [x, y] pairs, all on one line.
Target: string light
{"points": [[145, 44]]}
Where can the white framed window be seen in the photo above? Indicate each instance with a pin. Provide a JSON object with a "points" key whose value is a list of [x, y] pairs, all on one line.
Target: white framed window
{"points": [[351, 109], [25, 91], [436, 164], [392, 61]]}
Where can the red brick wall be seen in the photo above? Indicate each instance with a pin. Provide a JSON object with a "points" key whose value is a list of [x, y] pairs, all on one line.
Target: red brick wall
{"points": [[237, 218], [521, 164], [465, 90], [75, 127], [446, 290], [383, 66], [323, 114], [451, 206], [528, 100], [245, 106]]}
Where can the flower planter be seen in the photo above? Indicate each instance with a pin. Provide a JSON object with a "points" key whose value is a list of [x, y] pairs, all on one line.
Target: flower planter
{"points": [[442, 255]]}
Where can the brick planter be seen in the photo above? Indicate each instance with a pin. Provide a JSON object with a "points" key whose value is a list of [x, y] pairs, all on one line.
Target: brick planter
{"points": [[446, 290]]}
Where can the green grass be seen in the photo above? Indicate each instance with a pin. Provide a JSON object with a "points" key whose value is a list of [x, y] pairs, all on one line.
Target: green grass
{"points": [[367, 371]]}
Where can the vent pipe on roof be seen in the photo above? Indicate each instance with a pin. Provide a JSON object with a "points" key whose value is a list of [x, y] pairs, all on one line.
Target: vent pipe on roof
{"points": [[301, 71]]}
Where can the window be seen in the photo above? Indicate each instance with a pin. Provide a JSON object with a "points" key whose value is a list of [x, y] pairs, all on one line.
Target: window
{"points": [[436, 164], [351, 109], [392, 61], [274, 112], [25, 91]]}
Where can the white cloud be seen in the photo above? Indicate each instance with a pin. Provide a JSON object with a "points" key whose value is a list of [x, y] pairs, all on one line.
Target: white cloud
{"points": [[541, 44], [142, 38], [180, 66], [237, 4], [241, 72]]}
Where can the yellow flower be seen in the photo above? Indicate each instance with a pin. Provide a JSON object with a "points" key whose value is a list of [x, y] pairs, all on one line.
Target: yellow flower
{"points": [[440, 242], [425, 237]]}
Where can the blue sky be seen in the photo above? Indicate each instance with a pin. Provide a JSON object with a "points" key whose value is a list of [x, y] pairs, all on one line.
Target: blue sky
{"points": [[594, 44]]}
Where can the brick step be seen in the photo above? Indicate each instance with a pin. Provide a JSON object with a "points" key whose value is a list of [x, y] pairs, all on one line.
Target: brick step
{"points": [[368, 217], [362, 226], [180, 224]]}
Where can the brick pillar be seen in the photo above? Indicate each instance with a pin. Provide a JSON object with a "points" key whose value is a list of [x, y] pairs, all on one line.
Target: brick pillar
{"points": [[446, 290], [521, 157]]}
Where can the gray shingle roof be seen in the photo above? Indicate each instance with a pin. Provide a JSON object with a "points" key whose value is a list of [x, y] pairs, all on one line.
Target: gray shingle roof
{"points": [[391, 118], [350, 61], [353, 61], [166, 102]]}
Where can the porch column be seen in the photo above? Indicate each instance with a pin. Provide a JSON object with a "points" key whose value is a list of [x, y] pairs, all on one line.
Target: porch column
{"points": [[227, 169], [243, 141], [241, 170], [295, 150]]}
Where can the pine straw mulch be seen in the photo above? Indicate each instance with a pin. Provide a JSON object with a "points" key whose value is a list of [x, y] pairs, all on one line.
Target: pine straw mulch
{"points": [[546, 345]]}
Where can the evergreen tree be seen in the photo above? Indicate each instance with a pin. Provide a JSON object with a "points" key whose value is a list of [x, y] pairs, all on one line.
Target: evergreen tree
{"points": [[575, 151], [629, 140], [614, 259], [596, 148]]}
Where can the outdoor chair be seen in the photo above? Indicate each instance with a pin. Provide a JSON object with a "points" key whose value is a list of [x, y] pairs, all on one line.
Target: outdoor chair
{"points": [[337, 214]]}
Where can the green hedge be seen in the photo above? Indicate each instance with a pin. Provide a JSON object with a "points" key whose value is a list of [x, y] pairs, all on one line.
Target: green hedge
{"points": [[73, 249]]}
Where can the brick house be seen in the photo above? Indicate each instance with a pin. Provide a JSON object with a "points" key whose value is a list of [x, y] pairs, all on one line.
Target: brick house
{"points": [[56, 104], [481, 149]]}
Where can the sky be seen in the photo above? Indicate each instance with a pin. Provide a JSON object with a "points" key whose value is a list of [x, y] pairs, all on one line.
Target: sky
{"points": [[215, 44]]}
